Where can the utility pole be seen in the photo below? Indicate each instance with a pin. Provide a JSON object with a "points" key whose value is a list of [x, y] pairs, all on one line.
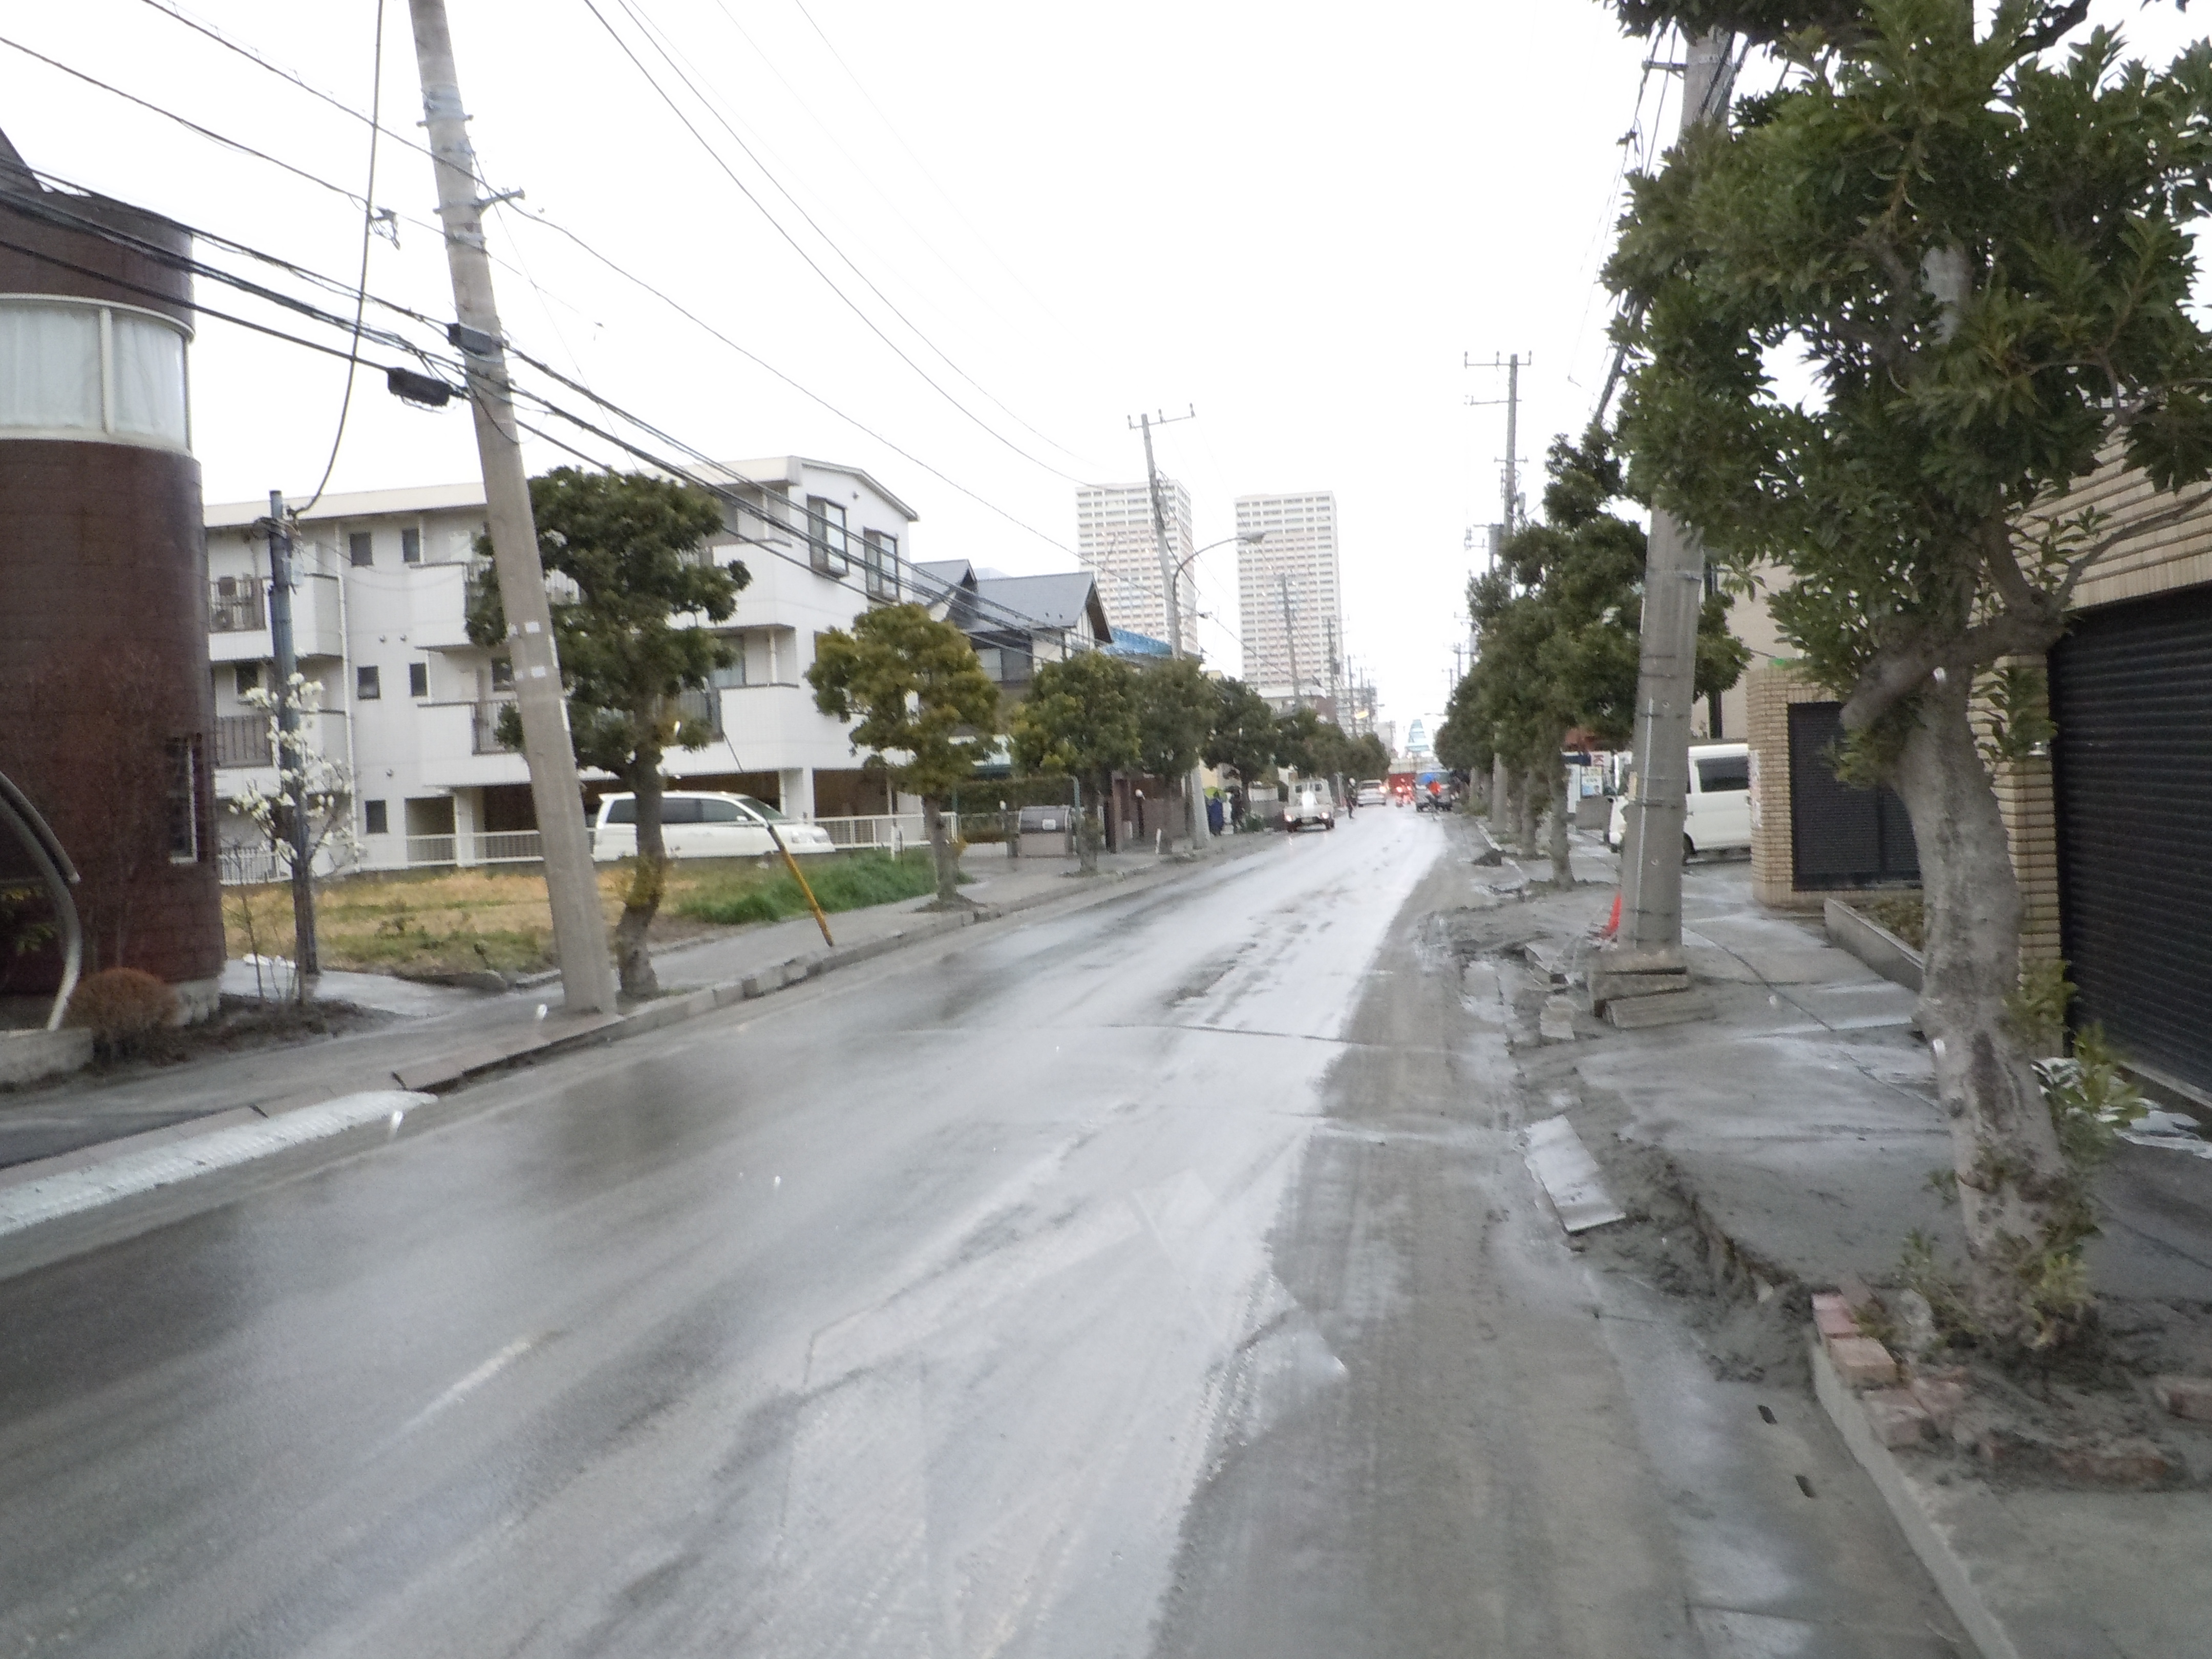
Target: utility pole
{"points": [[1335, 692], [1645, 964], [1290, 638], [307, 960], [1511, 490], [580, 929], [1194, 792]]}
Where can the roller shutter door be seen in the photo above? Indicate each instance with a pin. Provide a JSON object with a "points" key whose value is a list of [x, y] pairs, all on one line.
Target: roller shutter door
{"points": [[2131, 691], [1840, 836]]}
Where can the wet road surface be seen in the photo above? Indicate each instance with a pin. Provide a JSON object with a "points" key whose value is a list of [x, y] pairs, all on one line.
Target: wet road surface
{"points": [[1160, 1278]]}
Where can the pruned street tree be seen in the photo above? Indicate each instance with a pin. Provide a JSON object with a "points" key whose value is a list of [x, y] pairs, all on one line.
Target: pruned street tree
{"points": [[308, 807], [923, 704], [1177, 707], [1080, 720], [633, 590], [1971, 231], [1242, 740]]}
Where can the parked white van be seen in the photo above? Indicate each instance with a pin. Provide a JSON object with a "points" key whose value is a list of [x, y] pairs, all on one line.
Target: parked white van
{"points": [[1311, 805], [1717, 814], [704, 826]]}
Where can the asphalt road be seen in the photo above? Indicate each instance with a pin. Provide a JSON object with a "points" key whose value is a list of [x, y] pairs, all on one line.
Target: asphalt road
{"points": [[1159, 1278]]}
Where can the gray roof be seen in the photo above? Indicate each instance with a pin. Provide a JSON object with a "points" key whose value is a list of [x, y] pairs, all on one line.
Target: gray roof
{"points": [[1060, 600]]}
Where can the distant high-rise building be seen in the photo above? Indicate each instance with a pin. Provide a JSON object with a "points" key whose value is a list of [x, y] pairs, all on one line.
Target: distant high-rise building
{"points": [[1287, 595], [1114, 540]]}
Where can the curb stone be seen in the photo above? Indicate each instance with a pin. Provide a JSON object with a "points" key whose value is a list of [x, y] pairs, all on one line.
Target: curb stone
{"points": [[29, 1211], [1953, 1581]]}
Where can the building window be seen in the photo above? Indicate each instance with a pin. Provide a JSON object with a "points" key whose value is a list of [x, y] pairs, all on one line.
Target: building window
{"points": [[410, 546], [246, 676], [368, 685], [418, 679], [70, 369], [880, 553], [502, 674], [184, 800], [825, 537], [361, 548], [375, 819]]}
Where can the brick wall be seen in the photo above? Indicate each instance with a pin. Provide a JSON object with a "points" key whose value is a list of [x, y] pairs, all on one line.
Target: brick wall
{"points": [[1769, 690]]}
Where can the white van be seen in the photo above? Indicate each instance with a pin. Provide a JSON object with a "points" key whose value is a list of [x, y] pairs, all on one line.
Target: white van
{"points": [[1716, 813], [1311, 805], [704, 826]]}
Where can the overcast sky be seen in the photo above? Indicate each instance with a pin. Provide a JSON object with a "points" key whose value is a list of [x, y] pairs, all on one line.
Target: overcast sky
{"points": [[1297, 218]]}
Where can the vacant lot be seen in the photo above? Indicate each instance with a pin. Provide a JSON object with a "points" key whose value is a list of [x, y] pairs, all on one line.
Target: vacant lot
{"points": [[450, 922]]}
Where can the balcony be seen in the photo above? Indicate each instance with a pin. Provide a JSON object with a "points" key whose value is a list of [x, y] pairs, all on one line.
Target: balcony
{"points": [[243, 743], [460, 747], [242, 740], [238, 618], [483, 727], [235, 605]]}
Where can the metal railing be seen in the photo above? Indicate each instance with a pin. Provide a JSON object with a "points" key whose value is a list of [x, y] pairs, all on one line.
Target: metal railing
{"points": [[243, 740], [245, 864], [892, 831], [235, 605], [507, 846], [484, 727], [705, 705], [431, 850]]}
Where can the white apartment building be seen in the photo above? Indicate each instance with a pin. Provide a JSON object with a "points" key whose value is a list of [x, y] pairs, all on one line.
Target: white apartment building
{"points": [[1288, 600], [379, 621], [1115, 541]]}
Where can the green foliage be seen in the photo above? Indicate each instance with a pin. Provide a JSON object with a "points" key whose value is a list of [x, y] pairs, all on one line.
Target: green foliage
{"points": [[2090, 1098], [2017, 696], [922, 700], [632, 544], [1980, 255], [1080, 719], [2037, 1007], [848, 881], [1176, 706], [1244, 735], [1557, 622]]}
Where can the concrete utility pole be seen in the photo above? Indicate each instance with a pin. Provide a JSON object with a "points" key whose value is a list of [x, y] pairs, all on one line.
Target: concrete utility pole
{"points": [[1511, 488], [580, 929], [1290, 638], [1642, 979], [1336, 678], [1194, 792], [306, 959]]}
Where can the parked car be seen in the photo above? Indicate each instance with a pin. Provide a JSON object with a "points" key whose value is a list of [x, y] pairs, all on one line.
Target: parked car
{"points": [[695, 825], [1716, 812], [1372, 793], [1311, 805]]}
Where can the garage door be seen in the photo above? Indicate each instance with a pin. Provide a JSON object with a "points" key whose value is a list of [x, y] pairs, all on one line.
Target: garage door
{"points": [[1840, 836], [2131, 691]]}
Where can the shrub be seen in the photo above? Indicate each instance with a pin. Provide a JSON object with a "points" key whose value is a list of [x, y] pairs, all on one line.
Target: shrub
{"points": [[850, 881], [121, 1007]]}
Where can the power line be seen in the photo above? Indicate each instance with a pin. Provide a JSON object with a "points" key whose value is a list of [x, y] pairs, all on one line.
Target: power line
{"points": [[367, 235], [662, 44], [812, 264]]}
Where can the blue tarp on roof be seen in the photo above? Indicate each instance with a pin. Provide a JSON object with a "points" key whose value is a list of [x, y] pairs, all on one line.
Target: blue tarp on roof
{"points": [[1127, 643]]}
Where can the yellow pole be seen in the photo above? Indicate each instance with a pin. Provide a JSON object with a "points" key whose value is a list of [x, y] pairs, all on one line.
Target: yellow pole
{"points": [[820, 920]]}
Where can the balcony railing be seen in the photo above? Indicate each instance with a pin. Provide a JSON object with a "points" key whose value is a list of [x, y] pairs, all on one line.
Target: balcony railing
{"points": [[242, 740], [235, 605], [483, 724], [484, 846], [701, 705]]}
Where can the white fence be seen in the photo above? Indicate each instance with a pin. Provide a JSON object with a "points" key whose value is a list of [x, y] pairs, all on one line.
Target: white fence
{"points": [[892, 831]]}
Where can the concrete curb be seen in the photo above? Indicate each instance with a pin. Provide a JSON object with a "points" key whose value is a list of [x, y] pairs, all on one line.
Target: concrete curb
{"points": [[51, 1209], [1954, 1581], [1871, 942]]}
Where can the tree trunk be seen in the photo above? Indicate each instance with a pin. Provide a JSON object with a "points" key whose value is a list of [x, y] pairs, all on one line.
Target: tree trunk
{"points": [[947, 861], [1527, 792], [1563, 869], [647, 881], [1087, 833], [2021, 1204], [1501, 797]]}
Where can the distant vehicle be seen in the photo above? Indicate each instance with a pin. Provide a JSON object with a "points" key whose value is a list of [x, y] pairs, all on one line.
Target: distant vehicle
{"points": [[1716, 812], [1433, 793], [695, 825], [1400, 786], [1372, 793], [1311, 805]]}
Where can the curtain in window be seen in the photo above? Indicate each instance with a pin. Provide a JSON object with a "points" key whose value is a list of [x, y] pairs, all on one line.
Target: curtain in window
{"points": [[149, 379], [50, 367]]}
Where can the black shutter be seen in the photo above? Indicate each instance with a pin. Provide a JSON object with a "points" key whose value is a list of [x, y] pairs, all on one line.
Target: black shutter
{"points": [[1841, 836], [2131, 691]]}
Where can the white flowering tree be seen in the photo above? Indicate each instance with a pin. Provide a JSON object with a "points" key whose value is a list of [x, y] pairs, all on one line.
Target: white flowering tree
{"points": [[308, 808]]}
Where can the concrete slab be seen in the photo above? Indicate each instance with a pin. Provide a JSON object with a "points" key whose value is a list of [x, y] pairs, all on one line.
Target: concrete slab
{"points": [[1569, 1177]]}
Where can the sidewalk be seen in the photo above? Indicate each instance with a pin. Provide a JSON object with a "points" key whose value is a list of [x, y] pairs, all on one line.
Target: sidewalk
{"points": [[1800, 1125], [46, 1128]]}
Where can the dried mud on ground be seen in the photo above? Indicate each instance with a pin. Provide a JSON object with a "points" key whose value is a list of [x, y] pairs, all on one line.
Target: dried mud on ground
{"points": [[1752, 1320]]}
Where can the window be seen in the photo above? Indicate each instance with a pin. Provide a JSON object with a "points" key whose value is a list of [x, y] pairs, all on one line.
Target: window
{"points": [[184, 800], [731, 673], [418, 679], [987, 657], [246, 676], [502, 674], [375, 819], [361, 548], [719, 811], [73, 369], [680, 809], [410, 546], [825, 537], [367, 687], [1727, 772], [880, 553], [620, 811]]}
